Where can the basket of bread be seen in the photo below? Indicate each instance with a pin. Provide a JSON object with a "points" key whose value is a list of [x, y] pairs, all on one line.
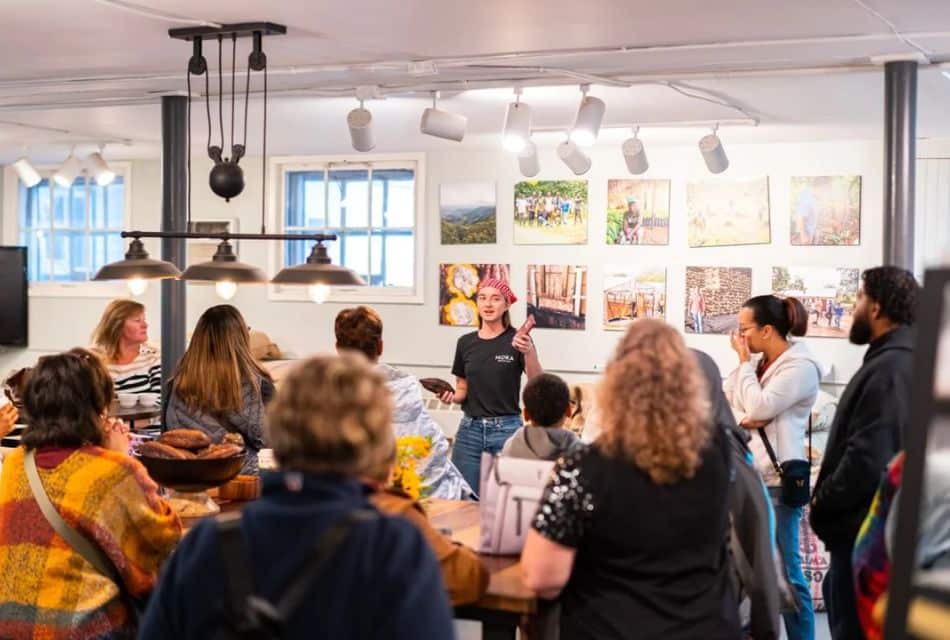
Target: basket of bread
{"points": [[187, 460]]}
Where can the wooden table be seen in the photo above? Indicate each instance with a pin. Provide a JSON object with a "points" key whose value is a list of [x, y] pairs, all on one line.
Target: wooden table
{"points": [[507, 606]]}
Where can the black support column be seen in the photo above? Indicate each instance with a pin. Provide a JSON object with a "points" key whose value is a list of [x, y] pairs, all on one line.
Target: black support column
{"points": [[900, 154], [174, 218]]}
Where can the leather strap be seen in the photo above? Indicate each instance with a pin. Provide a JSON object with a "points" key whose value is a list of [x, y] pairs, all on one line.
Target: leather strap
{"points": [[771, 451], [76, 540]]}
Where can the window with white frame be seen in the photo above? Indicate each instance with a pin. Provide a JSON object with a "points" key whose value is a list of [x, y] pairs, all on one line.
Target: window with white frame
{"points": [[373, 209], [71, 231]]}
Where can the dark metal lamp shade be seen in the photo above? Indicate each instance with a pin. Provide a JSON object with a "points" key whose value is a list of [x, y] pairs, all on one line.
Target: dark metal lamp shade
{"points": [[318, 270], [224, 266], [137, 264]]}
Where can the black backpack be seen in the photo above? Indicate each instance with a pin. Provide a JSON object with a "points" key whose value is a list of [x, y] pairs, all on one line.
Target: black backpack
{"points": [[249, 616]]}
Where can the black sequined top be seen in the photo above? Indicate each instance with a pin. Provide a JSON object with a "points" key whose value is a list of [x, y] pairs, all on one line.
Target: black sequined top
{"points": [[651, 559]]}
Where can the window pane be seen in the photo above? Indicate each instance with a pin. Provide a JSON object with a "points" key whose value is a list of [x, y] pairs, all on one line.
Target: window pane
{"points": [[296, 251], [400, 260], [79, 255], [108, 204], [37, 255], [60, 206], [62, 269], [349, 198], [356, 252], [305, 200], [394, 199], [115, 203], [34, 206], [106, 247], [77, 205]]}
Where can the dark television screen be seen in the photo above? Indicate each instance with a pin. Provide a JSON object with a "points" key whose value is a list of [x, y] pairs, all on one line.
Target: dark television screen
{"points": [[14, 301]]}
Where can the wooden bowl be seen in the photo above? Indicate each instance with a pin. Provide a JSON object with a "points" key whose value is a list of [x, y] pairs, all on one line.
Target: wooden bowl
{"points": [[241, 488], [192, 475]]}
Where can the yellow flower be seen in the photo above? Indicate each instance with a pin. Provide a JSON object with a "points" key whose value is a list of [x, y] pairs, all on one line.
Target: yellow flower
{"points": [[409, 450]]}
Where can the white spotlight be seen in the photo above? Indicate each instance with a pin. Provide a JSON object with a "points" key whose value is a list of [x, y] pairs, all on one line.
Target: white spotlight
{"points": [[27, 173], [575, 159], [713, 153], [68, 171], [590, 114], [635, 155], [360, 122], [100, 169], [517, 125], [442, 124], [137, 286], [528, 160]]}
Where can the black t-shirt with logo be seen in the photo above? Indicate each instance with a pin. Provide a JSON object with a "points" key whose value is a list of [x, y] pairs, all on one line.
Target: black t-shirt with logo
{"points": [[492, 368]]}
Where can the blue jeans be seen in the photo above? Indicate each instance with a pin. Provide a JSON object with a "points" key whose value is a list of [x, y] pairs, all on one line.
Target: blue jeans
{"points": [[697, 322], [478, 435], [800, 625]]}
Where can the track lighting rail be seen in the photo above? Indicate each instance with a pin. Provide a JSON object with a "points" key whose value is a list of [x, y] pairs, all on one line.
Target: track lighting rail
{"points": [[240, 29]]}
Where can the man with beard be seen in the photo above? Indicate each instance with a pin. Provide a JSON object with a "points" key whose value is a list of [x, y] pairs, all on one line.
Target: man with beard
{"points": [[867, 431]]}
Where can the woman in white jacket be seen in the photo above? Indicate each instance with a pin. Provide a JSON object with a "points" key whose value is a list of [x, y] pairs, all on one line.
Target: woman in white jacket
{"points": [[772, 392]]}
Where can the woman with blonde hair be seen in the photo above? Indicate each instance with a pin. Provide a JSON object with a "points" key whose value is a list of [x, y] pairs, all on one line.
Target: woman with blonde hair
{"points": [[329, 426], [121, 340], [218, 386], [631, 532]]}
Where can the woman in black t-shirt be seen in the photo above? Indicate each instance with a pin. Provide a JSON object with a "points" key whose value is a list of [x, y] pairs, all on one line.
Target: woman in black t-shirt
{"points": [[487, 369], [631, 532]]}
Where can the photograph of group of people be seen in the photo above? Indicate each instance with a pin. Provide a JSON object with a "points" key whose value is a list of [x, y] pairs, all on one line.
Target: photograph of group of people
{"points": [[827, 293], [551, 212]]}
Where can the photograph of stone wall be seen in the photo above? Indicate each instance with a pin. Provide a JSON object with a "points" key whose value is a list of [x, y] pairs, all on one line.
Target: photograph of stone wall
{"points": [[714, 296]]}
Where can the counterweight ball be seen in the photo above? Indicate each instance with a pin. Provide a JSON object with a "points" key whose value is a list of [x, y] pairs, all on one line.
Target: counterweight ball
{"points": [[227, 180]]}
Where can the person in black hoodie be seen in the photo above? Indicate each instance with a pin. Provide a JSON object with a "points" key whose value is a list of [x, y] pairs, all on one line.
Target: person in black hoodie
{"points": [[867, 431]]}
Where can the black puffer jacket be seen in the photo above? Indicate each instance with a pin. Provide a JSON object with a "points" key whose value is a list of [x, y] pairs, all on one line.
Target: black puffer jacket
{"points": [[867, 432]]}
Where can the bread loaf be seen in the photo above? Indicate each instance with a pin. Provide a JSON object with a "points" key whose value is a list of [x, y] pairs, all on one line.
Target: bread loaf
{"points": [[156, 449], [234, 438], [191, 439], [223, 450]]}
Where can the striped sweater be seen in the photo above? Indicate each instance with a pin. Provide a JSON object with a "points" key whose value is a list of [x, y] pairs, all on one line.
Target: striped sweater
{"points": [[49, 591], [142, 375]]}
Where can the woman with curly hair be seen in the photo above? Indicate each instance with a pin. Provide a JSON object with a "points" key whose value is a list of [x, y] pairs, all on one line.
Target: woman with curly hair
{"points": [[631, 533]]}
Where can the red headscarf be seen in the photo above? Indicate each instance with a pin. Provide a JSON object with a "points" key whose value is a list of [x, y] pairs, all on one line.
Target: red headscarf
{"points": [[501, 286]]}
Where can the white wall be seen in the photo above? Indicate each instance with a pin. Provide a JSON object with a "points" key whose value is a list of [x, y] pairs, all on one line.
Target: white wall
{"points": [[413, 337]]}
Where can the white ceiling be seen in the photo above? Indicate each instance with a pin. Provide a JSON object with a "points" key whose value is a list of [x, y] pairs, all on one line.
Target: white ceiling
{"points": [[97, 70]]}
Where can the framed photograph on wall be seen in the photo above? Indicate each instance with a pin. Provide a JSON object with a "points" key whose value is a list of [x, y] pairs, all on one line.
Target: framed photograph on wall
{"points": [[557, 296], [728, 212], [631, 293], [551, 212], [203, 249], [467, 213], [638, 212], [714, 296], [828, 294], [458, 286], [826, 210]]}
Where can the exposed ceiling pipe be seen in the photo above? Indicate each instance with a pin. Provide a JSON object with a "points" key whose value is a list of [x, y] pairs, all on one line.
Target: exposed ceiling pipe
{"points": [[148, 12], [68, 132], [455, 62]]}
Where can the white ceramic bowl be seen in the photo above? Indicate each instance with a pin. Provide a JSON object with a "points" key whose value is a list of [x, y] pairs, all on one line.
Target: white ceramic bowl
{"points": [[149, 399], [127, 400]]}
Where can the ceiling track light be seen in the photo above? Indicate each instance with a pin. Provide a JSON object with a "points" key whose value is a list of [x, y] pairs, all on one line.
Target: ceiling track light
{"points": [[713, 154], [100, 169], [528, 160], [360, 122], [68, 171], [590, 115], [442, 124], [634, 154], [575, 159], [27, 172], [517, 132]]}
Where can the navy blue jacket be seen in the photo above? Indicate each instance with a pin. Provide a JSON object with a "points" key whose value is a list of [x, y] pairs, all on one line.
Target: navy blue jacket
{"points": [[384, 581]]}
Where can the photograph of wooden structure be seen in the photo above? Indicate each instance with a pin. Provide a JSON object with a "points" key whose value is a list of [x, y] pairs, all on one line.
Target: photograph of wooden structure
{"points": [[557, 296], [631, 293]]}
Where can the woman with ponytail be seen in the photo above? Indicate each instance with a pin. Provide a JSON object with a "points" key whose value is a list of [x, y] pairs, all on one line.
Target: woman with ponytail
{"points": [[772, 392]]}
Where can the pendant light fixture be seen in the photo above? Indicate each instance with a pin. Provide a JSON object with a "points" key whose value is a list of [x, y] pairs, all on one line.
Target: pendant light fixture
{"points": [[227, 180]]}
